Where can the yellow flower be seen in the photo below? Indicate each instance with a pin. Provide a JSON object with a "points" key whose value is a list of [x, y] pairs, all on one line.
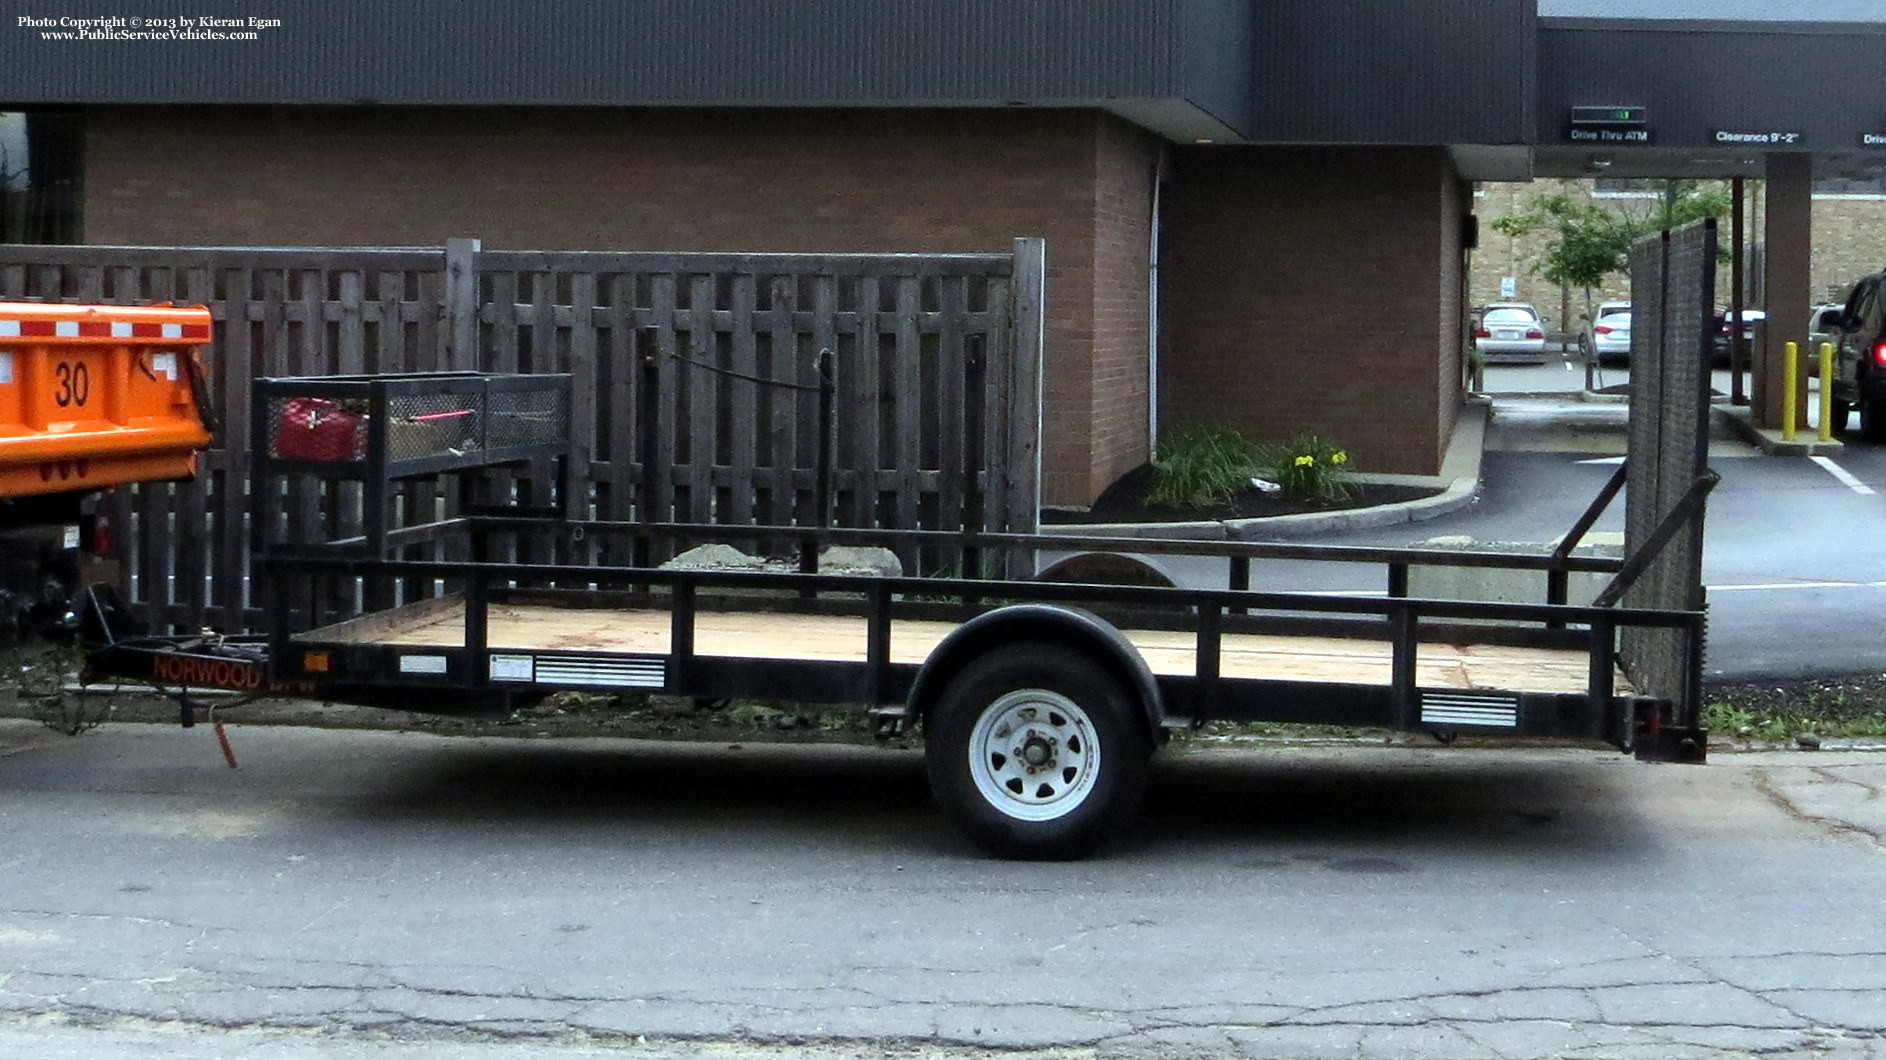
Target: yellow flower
{"points": [[1341, 457], [1305, 461]]}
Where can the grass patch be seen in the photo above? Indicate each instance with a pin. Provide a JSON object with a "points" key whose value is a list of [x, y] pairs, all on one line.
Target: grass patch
{"points": [[1773, 712], [1200, 466]]}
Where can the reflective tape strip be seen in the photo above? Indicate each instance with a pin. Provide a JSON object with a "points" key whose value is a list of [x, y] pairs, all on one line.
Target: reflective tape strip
{"points": [[99, 329]]}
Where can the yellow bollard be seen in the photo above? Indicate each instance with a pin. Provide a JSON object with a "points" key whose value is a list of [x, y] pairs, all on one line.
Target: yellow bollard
{"points": [[1790, 386], [1827, 392]]}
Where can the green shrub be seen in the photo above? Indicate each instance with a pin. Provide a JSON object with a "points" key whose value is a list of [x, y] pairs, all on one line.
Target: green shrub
{"points": [[1200, 466], [1310, 470]]}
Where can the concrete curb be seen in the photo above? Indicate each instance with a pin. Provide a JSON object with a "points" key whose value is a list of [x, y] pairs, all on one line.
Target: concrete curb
{"points": [[1739, 419], [1456, 496], [1459, 479]]}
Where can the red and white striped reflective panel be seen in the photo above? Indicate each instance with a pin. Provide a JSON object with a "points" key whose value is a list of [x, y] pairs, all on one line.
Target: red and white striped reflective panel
{"points": [[101, 329]]}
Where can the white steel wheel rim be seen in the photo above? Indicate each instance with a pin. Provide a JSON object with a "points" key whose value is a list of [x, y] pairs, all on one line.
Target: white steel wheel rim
{"points": [[1033, 755]]}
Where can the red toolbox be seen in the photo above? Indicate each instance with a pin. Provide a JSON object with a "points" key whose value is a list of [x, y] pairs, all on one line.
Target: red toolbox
{"points": [[318, 429]]}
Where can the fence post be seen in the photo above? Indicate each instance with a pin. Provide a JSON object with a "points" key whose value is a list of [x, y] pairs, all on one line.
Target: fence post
{"points": [[1022, 455], [974, 378], [822, 470], [461, 305]]}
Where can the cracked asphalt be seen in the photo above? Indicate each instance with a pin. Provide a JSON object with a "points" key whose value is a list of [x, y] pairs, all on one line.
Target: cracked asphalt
{"points": [[392, 895]]}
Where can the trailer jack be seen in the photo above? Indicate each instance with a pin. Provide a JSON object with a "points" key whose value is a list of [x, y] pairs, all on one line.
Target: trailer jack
{"points": [[889, 722]]}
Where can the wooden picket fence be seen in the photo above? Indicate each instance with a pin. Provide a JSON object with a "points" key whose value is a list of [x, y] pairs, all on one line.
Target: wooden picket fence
{"points": [[729, 342]]}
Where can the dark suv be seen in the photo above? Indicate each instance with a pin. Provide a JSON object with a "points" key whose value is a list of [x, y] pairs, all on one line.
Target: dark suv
{"points": [[1860, 372]]}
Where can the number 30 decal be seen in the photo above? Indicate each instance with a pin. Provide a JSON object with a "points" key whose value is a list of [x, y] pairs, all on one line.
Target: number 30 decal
{"points": [[75, 384]]}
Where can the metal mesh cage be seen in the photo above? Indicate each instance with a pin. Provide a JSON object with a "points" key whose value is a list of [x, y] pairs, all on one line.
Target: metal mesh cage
{"points": [[433, 422], [427, 425]]}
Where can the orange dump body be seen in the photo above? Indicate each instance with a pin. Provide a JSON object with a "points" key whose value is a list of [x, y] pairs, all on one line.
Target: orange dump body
{"points": [[93, 396]]}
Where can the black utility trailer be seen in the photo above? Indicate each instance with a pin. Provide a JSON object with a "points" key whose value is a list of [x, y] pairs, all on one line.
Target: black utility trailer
{"points": [[1040, 702]]}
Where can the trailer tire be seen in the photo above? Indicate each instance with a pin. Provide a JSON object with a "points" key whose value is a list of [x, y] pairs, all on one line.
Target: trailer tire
{"points": [[1035, 750]]}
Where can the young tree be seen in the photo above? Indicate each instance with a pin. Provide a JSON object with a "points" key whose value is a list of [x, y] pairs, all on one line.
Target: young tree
{"points": [[1591, 241]]}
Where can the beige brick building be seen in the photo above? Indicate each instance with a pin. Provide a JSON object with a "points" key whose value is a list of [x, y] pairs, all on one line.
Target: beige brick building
{"points": [[1849, 241]]}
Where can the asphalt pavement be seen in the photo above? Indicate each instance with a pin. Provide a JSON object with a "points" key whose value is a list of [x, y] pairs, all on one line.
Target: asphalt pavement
{"points": [[392, 895], [374, 894], [1796, 581]]}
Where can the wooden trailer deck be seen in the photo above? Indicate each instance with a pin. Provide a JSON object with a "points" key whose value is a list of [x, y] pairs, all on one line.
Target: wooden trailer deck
{"points": [[762, 635]]}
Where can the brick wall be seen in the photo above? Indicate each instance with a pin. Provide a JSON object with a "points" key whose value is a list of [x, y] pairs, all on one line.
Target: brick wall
{"points": [[1126, 165], [1849, 242], [719, 180], [1456, 202], [1299, 291]]}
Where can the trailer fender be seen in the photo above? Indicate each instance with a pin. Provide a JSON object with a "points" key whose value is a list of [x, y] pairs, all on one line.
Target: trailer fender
{"points": [[1071, 626]]}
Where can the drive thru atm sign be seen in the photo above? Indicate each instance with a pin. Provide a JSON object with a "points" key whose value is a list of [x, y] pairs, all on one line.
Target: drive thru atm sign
{"points": [[1609, 125]]}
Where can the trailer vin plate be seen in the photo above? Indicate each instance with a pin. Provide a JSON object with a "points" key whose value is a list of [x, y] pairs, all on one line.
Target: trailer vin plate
{"points": [[512, 668]]}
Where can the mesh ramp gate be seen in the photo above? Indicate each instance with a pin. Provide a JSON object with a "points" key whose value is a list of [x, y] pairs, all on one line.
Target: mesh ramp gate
{"points": [[1673, 296]]}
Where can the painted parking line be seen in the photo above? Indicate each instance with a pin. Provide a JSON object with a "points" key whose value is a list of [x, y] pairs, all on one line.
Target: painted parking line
{"points": [[1846, 477], [1779, 586], [1769, 587], [1757, 588]]}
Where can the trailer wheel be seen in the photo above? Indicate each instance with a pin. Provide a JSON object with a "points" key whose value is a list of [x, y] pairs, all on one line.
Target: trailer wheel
{"points": [[1036, 751]]}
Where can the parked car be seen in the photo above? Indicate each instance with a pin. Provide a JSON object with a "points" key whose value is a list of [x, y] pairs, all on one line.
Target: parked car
{"points": [[1510, 332], [1823, 325], [1607, 335], [1751, 319], [1860, 358]]}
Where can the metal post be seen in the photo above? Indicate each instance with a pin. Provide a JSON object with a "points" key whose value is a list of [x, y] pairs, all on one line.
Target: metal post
{"points": [[649, 441], [1827, 392], [822, 473], [828, 399], [681, 634], [1557, 590], [1402, 694], [1738, 351], [1790, 388], [1207, 666], [877, 639], [1600, 682]]}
